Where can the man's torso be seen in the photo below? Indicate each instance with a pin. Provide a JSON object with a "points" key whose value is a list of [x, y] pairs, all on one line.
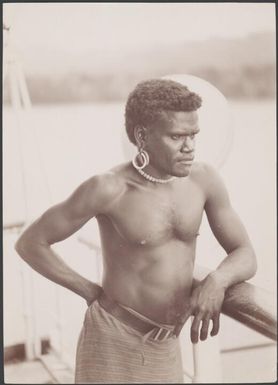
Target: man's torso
{"points": [[148, 235]]}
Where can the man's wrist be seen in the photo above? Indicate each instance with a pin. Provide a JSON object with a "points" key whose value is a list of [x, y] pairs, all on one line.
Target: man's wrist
{"points": [[219, 279], [88, 290]]}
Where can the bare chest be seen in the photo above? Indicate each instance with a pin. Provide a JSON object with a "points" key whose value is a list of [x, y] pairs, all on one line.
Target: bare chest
{"points": [[151, 219]]}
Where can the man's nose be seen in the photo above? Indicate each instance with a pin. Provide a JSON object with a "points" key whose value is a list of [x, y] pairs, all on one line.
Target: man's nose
{"points": [[188, 145]]}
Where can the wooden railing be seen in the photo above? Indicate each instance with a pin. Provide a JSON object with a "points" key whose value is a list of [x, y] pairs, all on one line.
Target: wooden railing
{"points": [[248, 304]]}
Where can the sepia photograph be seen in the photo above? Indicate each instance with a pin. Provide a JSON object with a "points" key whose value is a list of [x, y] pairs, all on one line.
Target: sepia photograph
{"points": [[139, 193]]}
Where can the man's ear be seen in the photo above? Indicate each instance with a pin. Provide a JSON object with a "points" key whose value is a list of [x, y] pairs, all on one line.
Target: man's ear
{"points": [[140, 134]]}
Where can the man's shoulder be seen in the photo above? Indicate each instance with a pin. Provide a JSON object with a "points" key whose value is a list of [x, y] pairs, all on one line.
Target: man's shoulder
{"points": [[104, 186], [211, 182], [203, 171], [95, 194], [204, 174]]}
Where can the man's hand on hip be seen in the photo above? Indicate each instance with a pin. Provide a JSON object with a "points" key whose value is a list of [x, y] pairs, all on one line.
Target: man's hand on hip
{"points": [[95, 292]]}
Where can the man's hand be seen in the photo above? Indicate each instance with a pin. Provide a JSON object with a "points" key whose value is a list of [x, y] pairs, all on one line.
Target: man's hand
{"points": [[95, 292], [205, 304]]}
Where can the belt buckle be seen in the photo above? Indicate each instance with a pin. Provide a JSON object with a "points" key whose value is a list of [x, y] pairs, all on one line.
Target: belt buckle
{"points": [[158, 334]]}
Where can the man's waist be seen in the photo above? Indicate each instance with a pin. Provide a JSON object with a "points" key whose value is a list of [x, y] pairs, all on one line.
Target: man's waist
{"points": [[160, 303], [135, 319]]}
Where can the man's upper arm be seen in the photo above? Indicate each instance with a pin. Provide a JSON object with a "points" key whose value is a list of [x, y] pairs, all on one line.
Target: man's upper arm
{"points": [[65, 218], [224, 221]]}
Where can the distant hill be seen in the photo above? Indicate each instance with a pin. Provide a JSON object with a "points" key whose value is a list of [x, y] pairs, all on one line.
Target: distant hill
{"points": [[255, 50], [238, 67]]}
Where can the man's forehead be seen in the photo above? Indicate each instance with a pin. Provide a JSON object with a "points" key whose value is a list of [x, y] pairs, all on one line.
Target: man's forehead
{"points": [[182, 120], [177, 116]]}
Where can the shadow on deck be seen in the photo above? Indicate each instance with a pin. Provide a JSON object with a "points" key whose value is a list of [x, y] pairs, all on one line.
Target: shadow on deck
{"points": [[47, 369]]}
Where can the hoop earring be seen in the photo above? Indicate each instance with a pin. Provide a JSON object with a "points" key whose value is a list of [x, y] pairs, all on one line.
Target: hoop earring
{"points": [[145, 156]]}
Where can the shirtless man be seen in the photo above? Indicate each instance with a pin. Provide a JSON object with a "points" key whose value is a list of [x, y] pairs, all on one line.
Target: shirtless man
{"points": [[149, 212]]}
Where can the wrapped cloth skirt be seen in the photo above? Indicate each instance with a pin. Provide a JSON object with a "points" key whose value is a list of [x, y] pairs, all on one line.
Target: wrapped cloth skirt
{"points": [[112, 352]]}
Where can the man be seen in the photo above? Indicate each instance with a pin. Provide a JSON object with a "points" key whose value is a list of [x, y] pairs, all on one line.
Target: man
{"points": [[149, 212]]}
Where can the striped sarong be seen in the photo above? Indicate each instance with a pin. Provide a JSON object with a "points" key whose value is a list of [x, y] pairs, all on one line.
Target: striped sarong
{"points": [[110, 352]]}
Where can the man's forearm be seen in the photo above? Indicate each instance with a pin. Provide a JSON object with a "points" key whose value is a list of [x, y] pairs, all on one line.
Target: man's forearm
{"points": [[238, 266], [45, 261]]}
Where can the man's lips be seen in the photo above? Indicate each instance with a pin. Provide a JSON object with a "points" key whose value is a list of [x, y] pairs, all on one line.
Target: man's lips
{"points": [[186, 161]]}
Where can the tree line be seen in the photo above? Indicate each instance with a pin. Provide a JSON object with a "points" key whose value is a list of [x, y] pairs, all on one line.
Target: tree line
{"points": [[248, 82]]}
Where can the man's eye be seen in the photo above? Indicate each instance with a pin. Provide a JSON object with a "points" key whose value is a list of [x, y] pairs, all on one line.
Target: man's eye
{"points": [[175, 137]]}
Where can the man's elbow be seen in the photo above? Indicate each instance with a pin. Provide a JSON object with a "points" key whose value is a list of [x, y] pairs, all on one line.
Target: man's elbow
{"points": [[25, 246], [22, 246], [253, 263]]}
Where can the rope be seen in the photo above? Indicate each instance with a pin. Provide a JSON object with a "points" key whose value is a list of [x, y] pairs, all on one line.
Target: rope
{"points": [[27, 104], [20, 101], [20, 98]]}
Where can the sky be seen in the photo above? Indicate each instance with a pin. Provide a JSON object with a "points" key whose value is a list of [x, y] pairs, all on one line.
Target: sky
{"points": [[74, 27]]}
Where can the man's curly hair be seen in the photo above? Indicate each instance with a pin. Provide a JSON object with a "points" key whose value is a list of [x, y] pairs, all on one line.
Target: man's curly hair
{"points": [[152, 97]]}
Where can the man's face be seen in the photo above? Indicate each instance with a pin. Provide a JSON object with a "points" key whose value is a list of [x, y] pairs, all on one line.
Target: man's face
{"points": [[171, 142]]}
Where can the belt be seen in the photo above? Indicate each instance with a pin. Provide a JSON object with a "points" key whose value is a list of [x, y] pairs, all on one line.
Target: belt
{"points": [[122, 314]]}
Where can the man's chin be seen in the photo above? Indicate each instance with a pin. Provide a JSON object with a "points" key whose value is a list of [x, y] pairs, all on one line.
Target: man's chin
{"points": [[182, 174], [182, 171]]}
